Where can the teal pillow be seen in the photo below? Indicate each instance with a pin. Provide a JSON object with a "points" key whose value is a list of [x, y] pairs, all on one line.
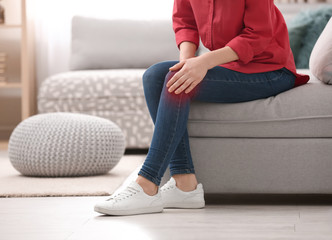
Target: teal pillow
{"points": [[304, 31], [297, 30]]}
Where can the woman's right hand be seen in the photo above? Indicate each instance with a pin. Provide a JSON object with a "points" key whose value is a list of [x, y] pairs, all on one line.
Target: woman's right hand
{"points": [[189, 73]]}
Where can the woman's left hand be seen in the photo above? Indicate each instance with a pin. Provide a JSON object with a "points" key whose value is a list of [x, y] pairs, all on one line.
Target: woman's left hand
{"points": [[191, 72]]}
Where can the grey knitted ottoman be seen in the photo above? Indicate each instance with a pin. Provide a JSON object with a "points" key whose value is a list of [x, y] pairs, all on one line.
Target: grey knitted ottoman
{"points": [[64, 144]]}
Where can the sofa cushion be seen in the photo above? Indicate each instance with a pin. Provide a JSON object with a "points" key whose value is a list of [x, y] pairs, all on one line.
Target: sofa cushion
{"points": [[321, 56], [304, 111], [93, 90], [109, 44]]}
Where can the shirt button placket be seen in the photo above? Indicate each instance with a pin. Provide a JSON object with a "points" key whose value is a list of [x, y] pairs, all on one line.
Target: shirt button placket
{"points": [[211, 11]]}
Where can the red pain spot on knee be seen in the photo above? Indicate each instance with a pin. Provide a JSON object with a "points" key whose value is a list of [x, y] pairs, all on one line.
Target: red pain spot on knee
{"points": [[173, 99], [170, 74]]}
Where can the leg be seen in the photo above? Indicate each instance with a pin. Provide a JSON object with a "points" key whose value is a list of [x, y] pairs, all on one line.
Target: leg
{"points": [[170, 125], [222, 85], [153, 81]]}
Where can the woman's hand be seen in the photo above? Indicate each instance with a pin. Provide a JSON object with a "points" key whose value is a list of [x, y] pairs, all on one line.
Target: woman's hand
{"points": [[191, 72]]}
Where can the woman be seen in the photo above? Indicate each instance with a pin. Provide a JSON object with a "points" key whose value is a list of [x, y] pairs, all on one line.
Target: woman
{"points": [[250, 58]]}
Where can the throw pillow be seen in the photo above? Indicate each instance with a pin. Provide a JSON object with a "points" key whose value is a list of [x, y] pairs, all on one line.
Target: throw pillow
{"points": [[304, 31], [120, 43], [321, 56], [297, 31]]}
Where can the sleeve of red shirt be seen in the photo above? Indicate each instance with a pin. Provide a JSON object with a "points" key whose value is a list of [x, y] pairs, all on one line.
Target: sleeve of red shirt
{"points": [[184, 24], [257, 32]]}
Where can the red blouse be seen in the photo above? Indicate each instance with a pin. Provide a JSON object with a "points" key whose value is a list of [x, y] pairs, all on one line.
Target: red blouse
{"points": [[254, 29]]}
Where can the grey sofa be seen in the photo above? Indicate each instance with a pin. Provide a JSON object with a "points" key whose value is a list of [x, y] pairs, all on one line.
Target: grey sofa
{"points": [[281, 144]]}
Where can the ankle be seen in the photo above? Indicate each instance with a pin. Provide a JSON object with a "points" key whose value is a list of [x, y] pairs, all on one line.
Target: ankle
{"points": [[149, 187], [186, 182]]}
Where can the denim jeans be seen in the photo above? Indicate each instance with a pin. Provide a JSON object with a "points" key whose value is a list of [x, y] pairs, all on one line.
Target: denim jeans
{"points": [[169, 111]]}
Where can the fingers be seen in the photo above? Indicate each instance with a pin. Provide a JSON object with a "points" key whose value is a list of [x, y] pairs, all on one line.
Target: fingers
{"points": [[175, 77], [184, 86], [191, 87], [180, 81], [176, 82], [177, 66]]}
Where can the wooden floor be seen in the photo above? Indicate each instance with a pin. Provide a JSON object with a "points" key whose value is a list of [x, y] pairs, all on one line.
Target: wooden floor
{"points": [[73, 218], [229, 217]]}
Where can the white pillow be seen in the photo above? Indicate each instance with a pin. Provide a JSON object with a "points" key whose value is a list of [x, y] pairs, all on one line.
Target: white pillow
{"points": [[120, 43], [320, 63]]}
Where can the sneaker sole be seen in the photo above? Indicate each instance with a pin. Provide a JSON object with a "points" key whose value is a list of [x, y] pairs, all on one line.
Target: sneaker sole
{"points": [[128, 212], [185, 205]]}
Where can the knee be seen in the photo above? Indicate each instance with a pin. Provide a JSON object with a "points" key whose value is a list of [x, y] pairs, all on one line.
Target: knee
{"points": [[148, 76], [157, 72]]}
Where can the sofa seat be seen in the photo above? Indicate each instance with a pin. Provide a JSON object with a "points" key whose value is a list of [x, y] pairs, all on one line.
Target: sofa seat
{"points": [[301, 112], [115, 94], [277, 145]]}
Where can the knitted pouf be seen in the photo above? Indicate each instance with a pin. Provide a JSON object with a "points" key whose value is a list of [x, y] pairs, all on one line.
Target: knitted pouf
{"points": [[65, 144]]}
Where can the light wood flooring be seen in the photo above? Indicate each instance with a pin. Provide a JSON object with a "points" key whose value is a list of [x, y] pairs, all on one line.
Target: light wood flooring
{"points": [[226, 217], [68, 218]]}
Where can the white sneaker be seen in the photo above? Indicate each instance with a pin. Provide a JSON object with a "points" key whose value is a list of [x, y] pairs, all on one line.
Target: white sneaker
{"points": [[132, 200], [173, 197]]}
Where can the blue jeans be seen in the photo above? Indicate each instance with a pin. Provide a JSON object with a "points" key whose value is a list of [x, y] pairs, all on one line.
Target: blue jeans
{"points": [[169, 111]]}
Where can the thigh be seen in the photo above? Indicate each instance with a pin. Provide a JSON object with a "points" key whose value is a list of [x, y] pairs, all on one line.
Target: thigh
{"points": [[223, 85]]}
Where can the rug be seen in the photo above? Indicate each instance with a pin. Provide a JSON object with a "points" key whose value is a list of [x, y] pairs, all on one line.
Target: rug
{"points": [[13, 184]]}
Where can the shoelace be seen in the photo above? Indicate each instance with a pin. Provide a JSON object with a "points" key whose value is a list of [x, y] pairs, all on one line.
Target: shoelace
{"points": [[127, 192]]}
